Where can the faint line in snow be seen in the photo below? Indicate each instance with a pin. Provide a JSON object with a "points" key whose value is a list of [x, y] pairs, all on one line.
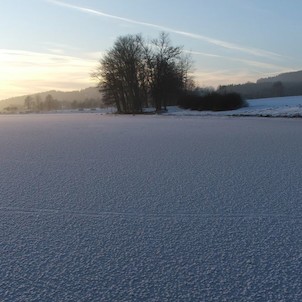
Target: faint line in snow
{"points": [[148, 215]]}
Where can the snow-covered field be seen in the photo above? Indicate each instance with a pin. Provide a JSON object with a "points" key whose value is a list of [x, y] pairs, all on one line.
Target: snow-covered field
{"points": [[269, 107], [150, 208]]}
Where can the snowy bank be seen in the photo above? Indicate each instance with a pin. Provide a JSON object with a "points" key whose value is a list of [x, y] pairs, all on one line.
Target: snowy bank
{"points": [[270, 107]]}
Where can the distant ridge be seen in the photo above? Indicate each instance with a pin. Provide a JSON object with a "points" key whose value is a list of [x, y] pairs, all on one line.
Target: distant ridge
{"points": [[68, 96], [288, 77], [284, 84]]}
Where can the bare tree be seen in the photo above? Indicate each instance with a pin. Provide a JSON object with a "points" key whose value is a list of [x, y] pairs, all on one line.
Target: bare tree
{"points": [[121, 76], [50, 103], [163, 63], [29, 102]]}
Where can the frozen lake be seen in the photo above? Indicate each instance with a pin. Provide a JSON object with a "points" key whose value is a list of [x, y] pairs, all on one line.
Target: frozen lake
{"points": [[150, 208]]}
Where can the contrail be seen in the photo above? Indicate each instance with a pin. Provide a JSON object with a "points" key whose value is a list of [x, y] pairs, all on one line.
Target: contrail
{"points": [[220, 43]]}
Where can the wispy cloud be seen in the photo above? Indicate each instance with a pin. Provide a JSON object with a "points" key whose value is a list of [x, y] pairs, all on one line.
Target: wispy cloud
{"points": [[224, 44], [223, 77], [258, 64], [252, 63]]}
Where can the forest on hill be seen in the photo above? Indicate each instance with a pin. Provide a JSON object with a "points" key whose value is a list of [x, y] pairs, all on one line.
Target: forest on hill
{"points": [[285, 84], [85, 98]]}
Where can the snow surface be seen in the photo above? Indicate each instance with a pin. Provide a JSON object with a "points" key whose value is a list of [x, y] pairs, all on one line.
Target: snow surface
{"points": [[269, 107], [150, 208]]}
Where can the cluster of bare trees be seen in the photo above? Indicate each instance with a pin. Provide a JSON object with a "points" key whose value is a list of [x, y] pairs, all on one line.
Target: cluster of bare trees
{"points": [[35, 103], [135, 74]]}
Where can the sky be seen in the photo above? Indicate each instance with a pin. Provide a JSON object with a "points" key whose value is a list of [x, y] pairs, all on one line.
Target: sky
{"points": [[56, 44]]}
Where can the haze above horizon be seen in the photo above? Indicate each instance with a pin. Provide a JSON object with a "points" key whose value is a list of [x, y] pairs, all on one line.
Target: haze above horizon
{"points": [[56, 44]]}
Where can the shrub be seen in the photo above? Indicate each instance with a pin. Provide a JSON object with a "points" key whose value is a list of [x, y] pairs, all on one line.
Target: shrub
{"points": [[213, 101]]}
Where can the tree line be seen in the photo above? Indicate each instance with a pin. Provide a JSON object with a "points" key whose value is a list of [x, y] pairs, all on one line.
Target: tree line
{"points": [[36, 103], [135, 74], [212, 101], [264, 89]]}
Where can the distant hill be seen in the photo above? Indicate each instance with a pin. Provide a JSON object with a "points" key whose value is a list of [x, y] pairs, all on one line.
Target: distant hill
{"points": [[64, 96], [284, 84], [288, 77]]}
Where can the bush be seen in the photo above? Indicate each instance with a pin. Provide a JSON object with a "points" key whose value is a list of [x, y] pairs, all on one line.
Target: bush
{"points": [[213, 101]]}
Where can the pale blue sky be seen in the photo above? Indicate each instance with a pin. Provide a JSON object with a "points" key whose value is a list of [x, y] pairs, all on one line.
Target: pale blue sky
{"points": [[48, 44]]}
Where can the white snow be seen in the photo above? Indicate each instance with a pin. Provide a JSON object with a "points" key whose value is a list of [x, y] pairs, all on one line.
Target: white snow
{"points": [[150, 208], [269, 107]]}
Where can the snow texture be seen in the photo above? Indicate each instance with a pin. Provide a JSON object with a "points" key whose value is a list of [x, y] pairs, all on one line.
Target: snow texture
{"points": [[150, 208]]}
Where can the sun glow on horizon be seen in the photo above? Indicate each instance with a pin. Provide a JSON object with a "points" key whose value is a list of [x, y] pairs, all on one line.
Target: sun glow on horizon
{"points": [[26, 72]]}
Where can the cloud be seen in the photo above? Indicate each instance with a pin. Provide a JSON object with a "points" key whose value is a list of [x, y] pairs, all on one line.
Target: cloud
{"points": [[223, 77], [252, 63], [224, 44], [258, 64], [24, 72]]}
